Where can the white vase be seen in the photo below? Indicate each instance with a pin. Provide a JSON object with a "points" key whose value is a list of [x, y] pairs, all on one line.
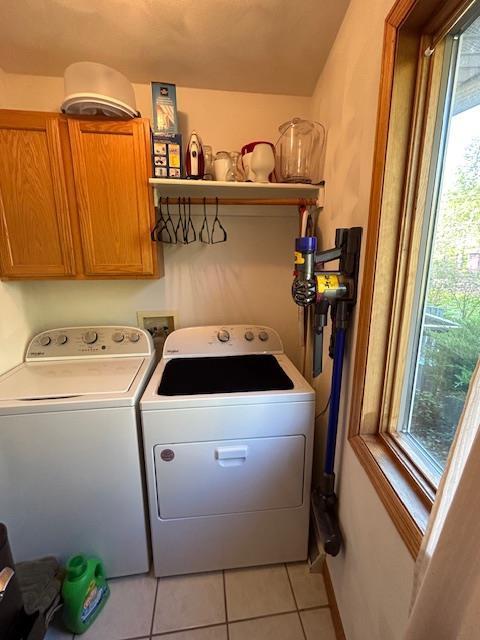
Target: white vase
{"points": [[262, 162]]}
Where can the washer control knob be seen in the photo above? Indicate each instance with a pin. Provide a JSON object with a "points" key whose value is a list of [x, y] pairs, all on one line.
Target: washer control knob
{"points": [[89, 337], [263, 335], [134, 337], [118, 336], [249, 336], [45, 341], [223, 335], [61, 339]]}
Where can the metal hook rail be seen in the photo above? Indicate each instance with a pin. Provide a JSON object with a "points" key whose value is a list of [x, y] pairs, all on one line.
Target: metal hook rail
{"points": [[278, 202]]}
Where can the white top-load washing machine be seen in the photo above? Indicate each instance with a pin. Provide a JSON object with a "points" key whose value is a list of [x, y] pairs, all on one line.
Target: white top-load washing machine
{"points": [[228, 434], [71, 473]]}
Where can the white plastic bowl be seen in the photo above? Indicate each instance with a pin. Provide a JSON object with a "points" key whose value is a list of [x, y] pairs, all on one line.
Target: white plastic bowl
{"points": [[92, 88]]}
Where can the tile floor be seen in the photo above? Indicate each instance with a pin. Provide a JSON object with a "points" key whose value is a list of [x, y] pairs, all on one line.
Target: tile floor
{"points": [[281, 602]]}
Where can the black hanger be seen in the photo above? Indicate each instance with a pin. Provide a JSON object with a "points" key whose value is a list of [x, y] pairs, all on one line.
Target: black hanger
{"points": [[205, 230], [161, 231], [170, 226], [218, 230], [180, 225], [190, 235]]}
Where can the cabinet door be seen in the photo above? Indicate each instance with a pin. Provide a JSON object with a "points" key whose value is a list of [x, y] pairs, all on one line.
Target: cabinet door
{"points": [[111, 164], [35, 239]]}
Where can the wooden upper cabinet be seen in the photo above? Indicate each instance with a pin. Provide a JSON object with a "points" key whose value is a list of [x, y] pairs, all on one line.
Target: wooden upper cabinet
{"points": [[111, 167], [35, 231], [74, 197]]}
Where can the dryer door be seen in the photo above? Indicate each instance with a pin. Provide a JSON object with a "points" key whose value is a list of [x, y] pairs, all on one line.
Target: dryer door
{"points": [[229, 476]]}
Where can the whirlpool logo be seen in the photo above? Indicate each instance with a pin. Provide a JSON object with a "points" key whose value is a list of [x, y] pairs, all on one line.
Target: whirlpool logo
{"points": [[167, 455]]}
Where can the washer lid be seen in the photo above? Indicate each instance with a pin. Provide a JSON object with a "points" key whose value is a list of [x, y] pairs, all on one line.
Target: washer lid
{"points": [[63, 379]]}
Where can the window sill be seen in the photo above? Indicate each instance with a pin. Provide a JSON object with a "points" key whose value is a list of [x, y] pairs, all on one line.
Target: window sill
{"points": [[406, 503]]}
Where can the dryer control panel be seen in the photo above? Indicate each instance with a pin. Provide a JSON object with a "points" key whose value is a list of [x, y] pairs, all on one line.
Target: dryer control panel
{"points": [[88, 342], [223, 340]]}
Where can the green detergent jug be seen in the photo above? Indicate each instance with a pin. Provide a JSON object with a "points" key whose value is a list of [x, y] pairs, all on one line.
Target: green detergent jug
{"points": [[85, 591]]}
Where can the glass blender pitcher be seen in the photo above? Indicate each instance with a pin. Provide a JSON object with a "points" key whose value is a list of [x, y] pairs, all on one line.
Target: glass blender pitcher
{"points": [[299, 150]]}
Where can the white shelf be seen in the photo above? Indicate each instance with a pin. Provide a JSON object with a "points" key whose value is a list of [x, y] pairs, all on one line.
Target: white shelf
{"points": [[170, 187]]}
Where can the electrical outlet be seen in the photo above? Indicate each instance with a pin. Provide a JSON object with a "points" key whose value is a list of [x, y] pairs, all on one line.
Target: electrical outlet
{"points": [[159, 325]]}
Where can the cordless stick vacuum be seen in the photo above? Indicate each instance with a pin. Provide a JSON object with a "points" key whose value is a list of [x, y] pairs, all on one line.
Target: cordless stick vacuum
{"points": [[334, 292]]}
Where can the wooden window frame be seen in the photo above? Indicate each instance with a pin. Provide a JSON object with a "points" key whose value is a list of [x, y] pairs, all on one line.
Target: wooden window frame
{"points": [[410, 90]]}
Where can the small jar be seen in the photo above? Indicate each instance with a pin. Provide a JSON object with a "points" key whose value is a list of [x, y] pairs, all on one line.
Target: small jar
{"points": [[236, 166]]}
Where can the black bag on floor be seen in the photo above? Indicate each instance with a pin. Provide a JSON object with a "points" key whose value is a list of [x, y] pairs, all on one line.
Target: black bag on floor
{"points": [[30, 594], [11, 603]]}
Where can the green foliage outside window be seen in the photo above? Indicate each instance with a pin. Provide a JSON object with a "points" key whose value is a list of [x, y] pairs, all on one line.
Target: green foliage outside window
{"points": [[449, 352]]}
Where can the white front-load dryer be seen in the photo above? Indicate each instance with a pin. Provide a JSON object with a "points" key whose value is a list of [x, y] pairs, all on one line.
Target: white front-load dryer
{"points": [[228, 434], [71, 469]]}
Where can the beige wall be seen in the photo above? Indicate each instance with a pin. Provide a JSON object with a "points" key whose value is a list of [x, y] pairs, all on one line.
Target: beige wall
{"points": [[372, 576], [224, 119], [15, 326], [247, 279]]}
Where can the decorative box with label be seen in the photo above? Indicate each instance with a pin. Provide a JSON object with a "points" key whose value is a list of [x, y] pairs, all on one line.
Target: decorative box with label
{"points": [[166, 141], [164, 108], [167, 155]]}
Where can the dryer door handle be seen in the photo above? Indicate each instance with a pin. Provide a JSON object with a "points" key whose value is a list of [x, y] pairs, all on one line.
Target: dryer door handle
{"points": [[231, 456]]}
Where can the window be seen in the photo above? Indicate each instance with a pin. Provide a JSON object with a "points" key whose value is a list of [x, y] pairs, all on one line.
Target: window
{"points": [[445, 335], [418, 335]]}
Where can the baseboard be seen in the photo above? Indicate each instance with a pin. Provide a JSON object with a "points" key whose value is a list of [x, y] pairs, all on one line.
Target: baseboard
{"points": [[332, 601]]}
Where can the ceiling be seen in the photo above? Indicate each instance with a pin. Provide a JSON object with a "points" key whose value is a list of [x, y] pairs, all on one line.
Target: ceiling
{"points": [[267, 46]]}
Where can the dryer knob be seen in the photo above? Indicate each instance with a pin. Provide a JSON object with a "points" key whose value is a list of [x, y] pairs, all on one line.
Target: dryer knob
{"points": [[263, 335], [62, 339], [134, 337], [223, 335], [118, 336], [45, 341], [249, 336], [90, 337]]}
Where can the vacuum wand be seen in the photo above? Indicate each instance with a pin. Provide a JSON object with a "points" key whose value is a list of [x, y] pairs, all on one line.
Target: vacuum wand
{"points": [[334, 292], [320, 321]]}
